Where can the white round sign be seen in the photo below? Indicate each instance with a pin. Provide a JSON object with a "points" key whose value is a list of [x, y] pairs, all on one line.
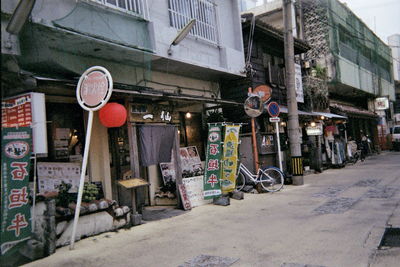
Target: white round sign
{"points": [[94, 88]]}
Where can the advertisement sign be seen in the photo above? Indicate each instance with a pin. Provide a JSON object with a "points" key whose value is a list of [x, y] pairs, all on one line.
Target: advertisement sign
{"points": [[190, 162], [15, 209], [195, 191], [27, 110], [52, 174], [212, 174], [16, 112], [381, 103], [298, 84], [314, 130], [230, 157]]}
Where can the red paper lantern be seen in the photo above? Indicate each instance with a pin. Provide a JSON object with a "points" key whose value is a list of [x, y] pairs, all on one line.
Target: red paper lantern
{"points": [[113, 115]]}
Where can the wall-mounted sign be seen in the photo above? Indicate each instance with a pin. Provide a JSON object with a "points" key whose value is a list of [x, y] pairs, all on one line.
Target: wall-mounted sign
{"points": [[381, 103], [263, 91], [152, 113], [314, 130], [298, 84], [27, 110]]}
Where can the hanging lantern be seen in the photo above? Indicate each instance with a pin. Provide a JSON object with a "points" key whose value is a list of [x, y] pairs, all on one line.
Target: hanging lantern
{"points": [[113, 115]]}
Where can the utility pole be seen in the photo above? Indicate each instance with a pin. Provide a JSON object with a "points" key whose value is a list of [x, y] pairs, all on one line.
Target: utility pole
{"points": [[293, 117]]}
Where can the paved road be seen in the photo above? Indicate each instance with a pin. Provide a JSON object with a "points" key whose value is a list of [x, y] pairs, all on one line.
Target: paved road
{"points": [[336, 219]]}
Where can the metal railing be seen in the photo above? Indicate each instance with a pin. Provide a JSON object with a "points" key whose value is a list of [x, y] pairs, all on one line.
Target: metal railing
{"points": [[204, 11], [134, 7]]}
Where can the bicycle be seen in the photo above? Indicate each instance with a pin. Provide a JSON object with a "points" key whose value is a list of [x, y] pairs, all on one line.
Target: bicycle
{"points": [[270, 178]]}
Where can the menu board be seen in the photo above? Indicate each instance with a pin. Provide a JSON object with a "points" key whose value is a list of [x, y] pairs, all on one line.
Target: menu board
{"points": [[52, 174], [190, 162], [17, 112], [195, 191]]}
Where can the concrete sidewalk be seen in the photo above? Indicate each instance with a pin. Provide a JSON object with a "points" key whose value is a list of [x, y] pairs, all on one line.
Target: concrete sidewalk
{"points": [[336, 219]]}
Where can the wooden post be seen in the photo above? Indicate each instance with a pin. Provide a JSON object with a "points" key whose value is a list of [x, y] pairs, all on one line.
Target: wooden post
{"points": [[254, 140], [177, 167]]}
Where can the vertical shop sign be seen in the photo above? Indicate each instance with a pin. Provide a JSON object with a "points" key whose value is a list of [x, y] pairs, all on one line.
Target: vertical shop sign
{"points": [[15, 164], [230, 156], [212, 174]]}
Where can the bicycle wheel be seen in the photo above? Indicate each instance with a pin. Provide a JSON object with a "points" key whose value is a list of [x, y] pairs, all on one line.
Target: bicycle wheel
{"points": [[271, 179], [240, 181]]}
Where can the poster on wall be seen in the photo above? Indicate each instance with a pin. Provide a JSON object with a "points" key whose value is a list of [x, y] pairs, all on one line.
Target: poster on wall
{"points": [[212, 174], [190, 162], [52, 174], [15, 209], [230, 157], [167, 172]]}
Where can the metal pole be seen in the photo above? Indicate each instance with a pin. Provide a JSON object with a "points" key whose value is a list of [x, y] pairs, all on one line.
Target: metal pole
{"points": [[82, 179], [293, 117], [279, 145], [254, 140]]}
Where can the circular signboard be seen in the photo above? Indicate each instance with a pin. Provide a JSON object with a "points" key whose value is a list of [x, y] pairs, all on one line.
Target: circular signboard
{"points": [[94, 88], [253, 106], [264, 91], [273, 109]]}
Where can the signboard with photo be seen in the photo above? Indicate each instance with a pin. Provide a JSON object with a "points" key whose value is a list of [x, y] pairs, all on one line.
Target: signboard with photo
{"points": [[190, 161], [51, 174]]}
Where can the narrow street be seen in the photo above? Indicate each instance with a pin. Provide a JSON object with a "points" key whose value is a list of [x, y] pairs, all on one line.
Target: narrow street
{"points": [[336, 219]]}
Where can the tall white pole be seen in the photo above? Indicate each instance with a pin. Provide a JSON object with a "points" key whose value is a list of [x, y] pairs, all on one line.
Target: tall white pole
{"points": [[278, 141], [82, 180], [34, 193]]}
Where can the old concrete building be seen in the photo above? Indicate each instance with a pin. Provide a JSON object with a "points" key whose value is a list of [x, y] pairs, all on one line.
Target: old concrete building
{"points": [[355, 62], [158, 69]]}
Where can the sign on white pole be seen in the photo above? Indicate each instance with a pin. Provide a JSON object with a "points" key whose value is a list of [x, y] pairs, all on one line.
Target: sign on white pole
{"points": [[298, 84], [93, 92]]}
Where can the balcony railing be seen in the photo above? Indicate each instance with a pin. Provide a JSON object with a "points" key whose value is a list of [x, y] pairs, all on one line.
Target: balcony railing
{"points": [[182, 11], [134, 7]]}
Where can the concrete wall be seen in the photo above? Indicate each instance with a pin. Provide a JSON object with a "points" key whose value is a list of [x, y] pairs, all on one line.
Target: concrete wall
{"points": [[226, 55], [394, 44]]}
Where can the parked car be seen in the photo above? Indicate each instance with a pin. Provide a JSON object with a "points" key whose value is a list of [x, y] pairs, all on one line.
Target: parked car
{"points": [[396, 137]]}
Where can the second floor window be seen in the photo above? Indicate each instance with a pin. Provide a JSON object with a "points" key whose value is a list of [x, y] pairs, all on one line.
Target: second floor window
{"points": [[136, 7], [182, 11]]}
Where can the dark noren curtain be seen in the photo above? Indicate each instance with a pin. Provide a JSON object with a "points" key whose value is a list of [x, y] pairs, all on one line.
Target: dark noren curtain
{"points": [[156, 143]]}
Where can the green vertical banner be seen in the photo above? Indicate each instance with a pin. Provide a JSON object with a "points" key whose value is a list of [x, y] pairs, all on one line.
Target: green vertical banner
{"points": [[212, 173], [16, 147], [230, 157]]}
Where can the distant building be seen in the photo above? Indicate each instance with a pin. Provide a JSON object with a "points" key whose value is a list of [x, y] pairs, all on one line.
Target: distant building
{"points": [[357, 64], [394, 43]]}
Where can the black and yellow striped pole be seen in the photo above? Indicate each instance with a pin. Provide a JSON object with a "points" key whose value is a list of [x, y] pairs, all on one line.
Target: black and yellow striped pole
{"points": [[297, 166]]}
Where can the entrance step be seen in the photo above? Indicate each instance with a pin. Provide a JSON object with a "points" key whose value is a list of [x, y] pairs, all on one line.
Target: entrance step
{"points": [[155, 213]]}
